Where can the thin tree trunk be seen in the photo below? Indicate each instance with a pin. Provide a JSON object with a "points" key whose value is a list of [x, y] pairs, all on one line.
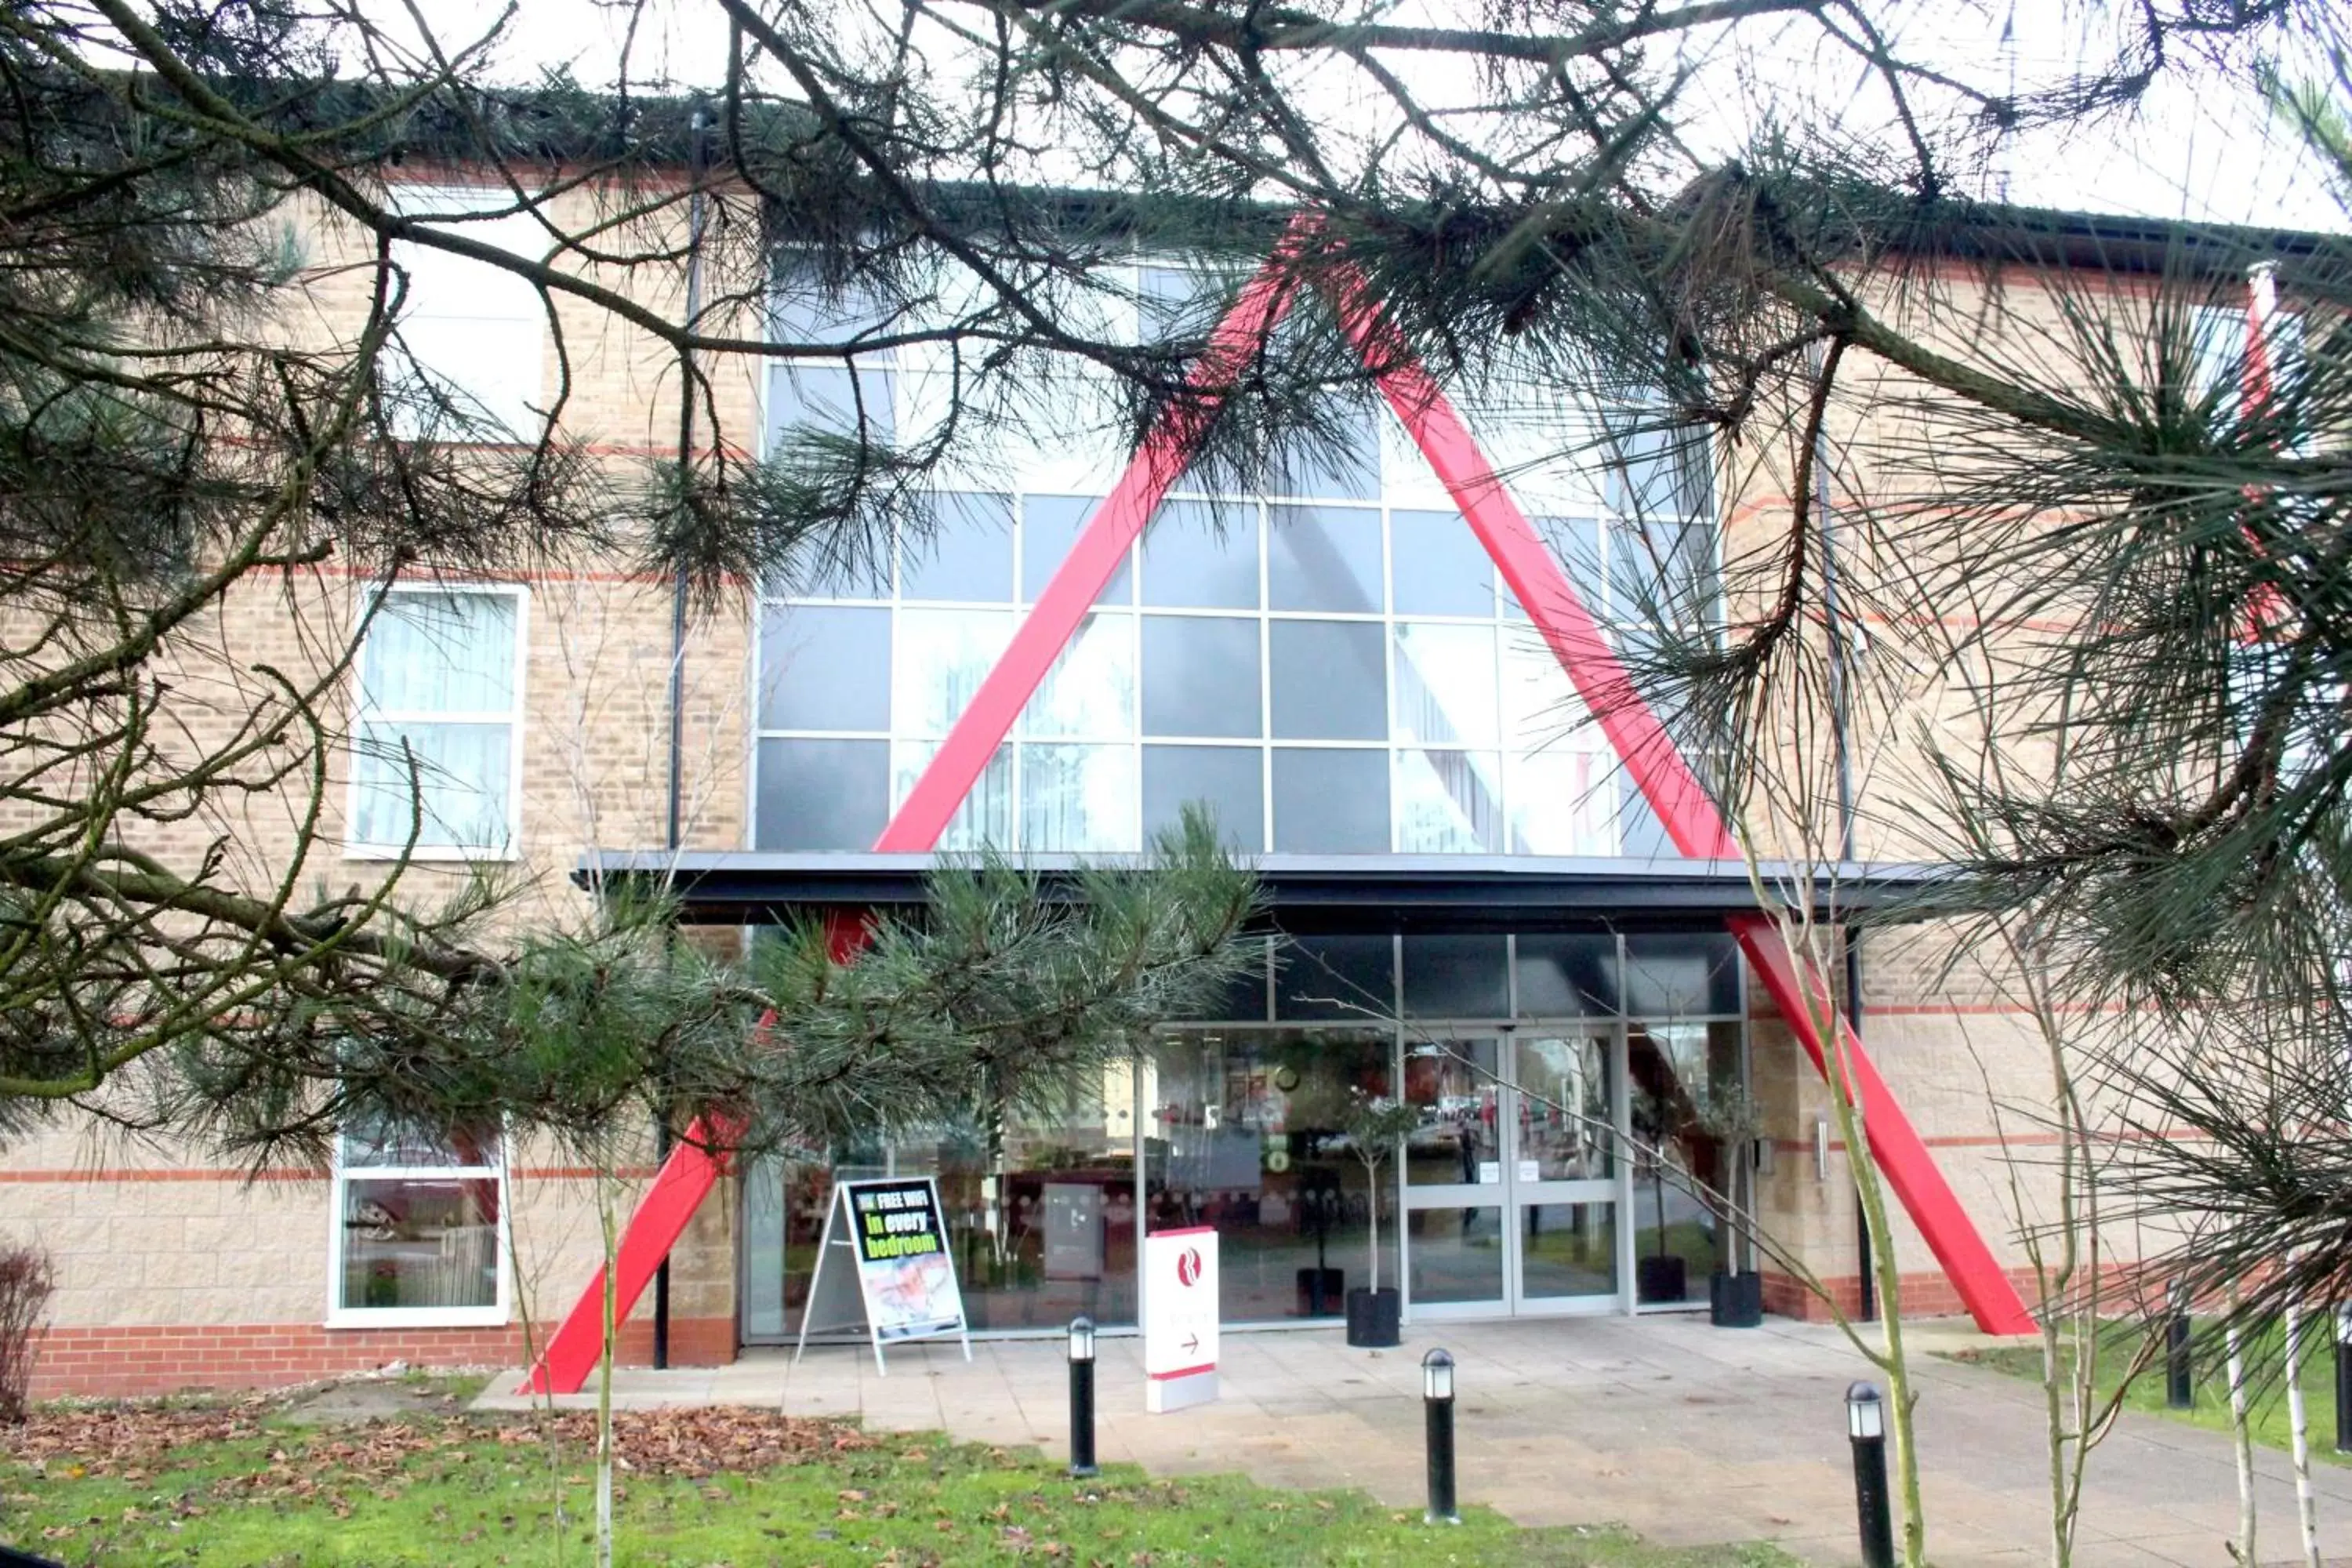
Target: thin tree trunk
{"points": [[2241, 1439], [2299, 1425], [604, 1219]]}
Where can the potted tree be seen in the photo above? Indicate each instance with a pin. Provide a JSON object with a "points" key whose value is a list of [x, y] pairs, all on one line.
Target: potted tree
{"points": [[1735, 1293], [1662, 1275], [1375, 1126]]}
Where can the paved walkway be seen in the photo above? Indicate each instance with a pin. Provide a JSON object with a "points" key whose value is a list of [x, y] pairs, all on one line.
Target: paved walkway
{"points": [[1682, 1433]]}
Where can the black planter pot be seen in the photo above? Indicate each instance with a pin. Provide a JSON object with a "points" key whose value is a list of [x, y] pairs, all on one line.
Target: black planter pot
{"points": [[1319, 1290], [1666, 1278], [1736, 1300], [1375, 1318]]}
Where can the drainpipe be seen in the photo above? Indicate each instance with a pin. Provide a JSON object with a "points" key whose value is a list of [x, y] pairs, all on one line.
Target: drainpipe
{"points": [[676, 836], [1850, 947]]}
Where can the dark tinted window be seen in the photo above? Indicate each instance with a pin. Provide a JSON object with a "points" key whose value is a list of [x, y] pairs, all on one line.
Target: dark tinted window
{"points": [[962, 549], [1569, 976], [1457, 977], [1330, 680], [1330, 802], [1675, 974], [823, 794], [1224, 778], [1335, 977], [1199, 676], [824, 667], [1324, 558]]}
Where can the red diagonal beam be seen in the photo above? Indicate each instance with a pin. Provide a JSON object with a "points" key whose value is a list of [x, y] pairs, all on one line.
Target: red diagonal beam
{"points": [[694, 1167], [1657, 768]]}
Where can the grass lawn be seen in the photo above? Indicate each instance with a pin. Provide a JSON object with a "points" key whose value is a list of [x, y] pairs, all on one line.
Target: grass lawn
{"points": [[246, 1483], [2266, 1390]]}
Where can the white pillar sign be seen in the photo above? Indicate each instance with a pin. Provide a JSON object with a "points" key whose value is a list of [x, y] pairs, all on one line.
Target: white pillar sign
{"points": [[1180, 1317]]}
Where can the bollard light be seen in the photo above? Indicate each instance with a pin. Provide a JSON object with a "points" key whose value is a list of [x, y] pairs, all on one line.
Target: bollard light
{"points": [[1082, 1395], [1866, 1423], [1437, 1375], [1437, 1407]]}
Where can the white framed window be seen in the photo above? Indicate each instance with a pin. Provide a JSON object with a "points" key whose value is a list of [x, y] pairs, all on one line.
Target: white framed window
{"points": [[419, 1230], [436, 751], [466, 362]]}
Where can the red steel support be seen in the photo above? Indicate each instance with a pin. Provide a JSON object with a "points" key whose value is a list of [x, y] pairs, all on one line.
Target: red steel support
{"points": [[695, 1166], [1657, 768]]}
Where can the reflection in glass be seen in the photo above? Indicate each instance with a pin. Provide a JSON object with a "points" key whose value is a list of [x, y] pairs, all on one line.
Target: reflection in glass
{"points": [[1335, 977], [1540, 709], [824, 667], [1330, 681], [1089, 692], [943, 655], [1201, 555], [1682, 973], [1077, 798], [1240, 1133], [984, 820], [1200, 677], [1456, 1255], [1453, 1082], [822, 794], [1685, 1083], [1228, 780], [1330, 802], [1565, 1108], [1565, 975], [1563, 803], [1458, 977], [810, 398], [1445, 684], [416, 1241], [1441, 568], [1049, 526], [1041, 1206], [1324, 558], [1568, 1250], [962, 548], [1449, 803]]}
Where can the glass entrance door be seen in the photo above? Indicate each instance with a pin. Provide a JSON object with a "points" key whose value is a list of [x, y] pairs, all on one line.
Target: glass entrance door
{"points": [[1513, 1180]]}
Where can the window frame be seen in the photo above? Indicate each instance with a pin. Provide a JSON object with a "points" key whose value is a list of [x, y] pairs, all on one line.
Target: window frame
{"points": [[495, 1316], [421, 199], [357, 849]]}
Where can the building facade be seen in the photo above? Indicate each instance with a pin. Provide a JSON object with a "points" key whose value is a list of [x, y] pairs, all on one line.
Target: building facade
{"points": [[1473, 906]]}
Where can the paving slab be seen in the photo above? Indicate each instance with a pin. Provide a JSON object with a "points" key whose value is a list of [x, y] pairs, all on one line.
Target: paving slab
{"points": [[1685, 1433]]}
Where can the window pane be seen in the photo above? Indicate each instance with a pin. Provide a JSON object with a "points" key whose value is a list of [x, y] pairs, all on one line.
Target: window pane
{"points": [[964, 550], [984, 820], [828, 398], [1454, 1084], [449, 783], [1575, 545], [1565, 976], [1324, 558], [822, 794], [421, 1243], [1330, 681], [1330, 802], [1449, 803], [1089, 692], [1568, 1250], [1456, 1253], [1563, 803], [1445, 684], [807, 311], [1335, 977], [1441, 568], [1226, 779], [1541, 708], [824, 669], [1049, 526], [1674, 974], [1201, 555], [942, 657], [369, 1142], [1201, 676], [1457, 977], [1078, 798], [1341, 463], [440, 653]]}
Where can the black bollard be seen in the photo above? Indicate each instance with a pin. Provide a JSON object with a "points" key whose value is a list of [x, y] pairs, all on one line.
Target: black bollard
{"points": [[1082, 1396], [1865, 1423], [1437, 1403], [2178, 1394]]}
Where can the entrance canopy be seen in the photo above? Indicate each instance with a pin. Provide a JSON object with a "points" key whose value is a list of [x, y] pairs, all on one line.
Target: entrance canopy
{"points": [[1306, 894]]}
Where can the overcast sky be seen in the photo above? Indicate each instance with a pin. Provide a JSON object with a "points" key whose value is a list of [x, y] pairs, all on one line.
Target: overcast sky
{"points": [[2203, 148]]}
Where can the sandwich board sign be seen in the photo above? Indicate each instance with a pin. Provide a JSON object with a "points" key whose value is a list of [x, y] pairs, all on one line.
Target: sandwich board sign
{"points": [[882, 1264], [1180, 1317]]}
